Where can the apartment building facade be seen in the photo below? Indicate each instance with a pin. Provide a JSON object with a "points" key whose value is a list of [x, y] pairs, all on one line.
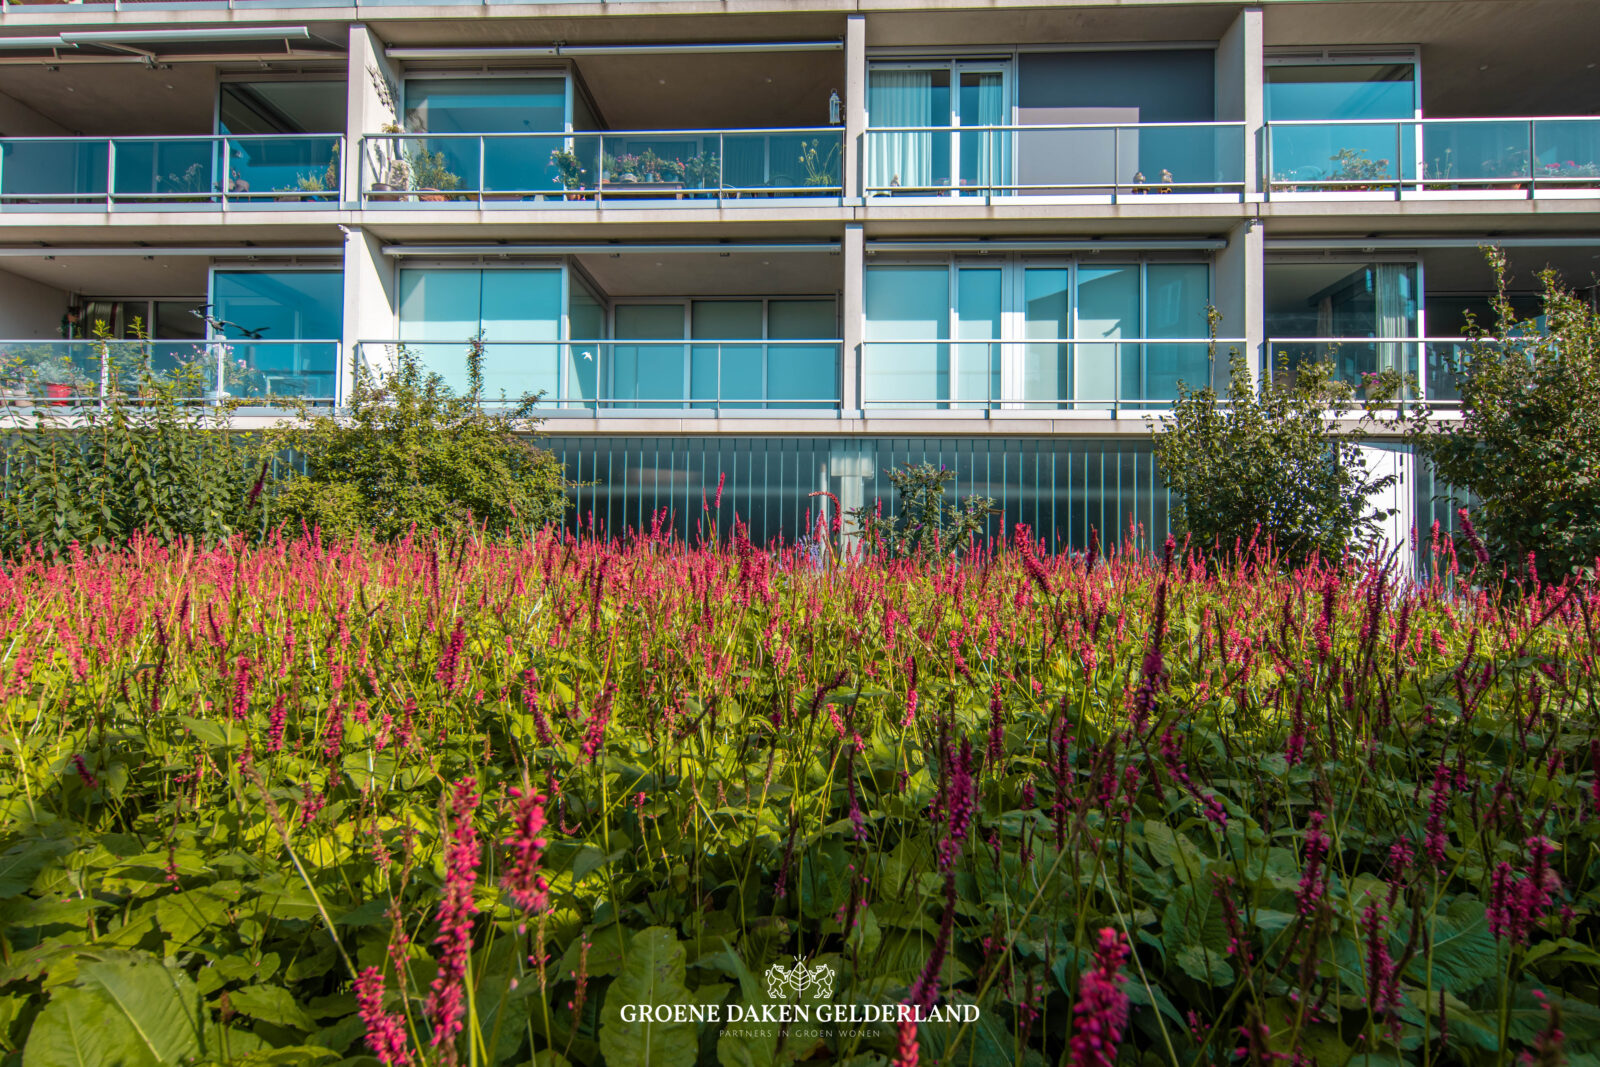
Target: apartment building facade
{"points": [[781, 247]]}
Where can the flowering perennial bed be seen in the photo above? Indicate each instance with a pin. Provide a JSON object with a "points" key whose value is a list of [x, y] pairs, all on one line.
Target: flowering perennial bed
{"points": [[570, 802]]}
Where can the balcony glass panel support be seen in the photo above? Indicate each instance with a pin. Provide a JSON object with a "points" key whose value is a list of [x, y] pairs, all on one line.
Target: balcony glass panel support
{"points": [[1186, 158], [691, 167], [159, 172], [1518, 157]]}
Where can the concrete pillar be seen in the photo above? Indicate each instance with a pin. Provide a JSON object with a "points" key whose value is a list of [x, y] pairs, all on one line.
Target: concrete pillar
{"points": [[1239, 94], [370, 303], [1240, 298], [852, 318], [372, 103], [855, 105]]}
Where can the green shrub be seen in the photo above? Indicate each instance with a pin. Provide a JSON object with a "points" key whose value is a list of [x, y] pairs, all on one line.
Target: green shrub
{"points": [[1527, 445], [926, 523], [1267, 464], [410, 451], [99, 472]]}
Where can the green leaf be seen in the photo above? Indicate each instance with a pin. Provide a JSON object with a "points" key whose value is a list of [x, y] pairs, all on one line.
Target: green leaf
{"points": [[155, 1004], [81, 1028], [271, 1004], [652, 974]]}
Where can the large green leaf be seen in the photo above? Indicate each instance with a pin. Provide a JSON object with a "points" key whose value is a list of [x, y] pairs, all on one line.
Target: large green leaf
{"points": [[82, 1028], [652, 974], [156, 1006]]}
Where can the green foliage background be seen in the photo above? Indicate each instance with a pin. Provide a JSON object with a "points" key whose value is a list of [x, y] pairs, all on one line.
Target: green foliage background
{"points": [[737, 774], [1527, 444]]}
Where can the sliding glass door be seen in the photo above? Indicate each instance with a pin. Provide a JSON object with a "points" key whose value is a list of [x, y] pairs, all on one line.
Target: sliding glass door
{"points": [[512, 309], [1033, 334], [931, 140]]}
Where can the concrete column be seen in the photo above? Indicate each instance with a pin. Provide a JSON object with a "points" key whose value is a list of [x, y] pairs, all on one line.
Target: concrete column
{"points": [[370, 302], [1240, 298], [852, 318], [855, 105], [372, 102], [1239, 95]]}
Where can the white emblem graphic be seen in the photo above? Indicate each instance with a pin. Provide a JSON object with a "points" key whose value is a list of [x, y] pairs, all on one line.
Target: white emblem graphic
{"points": [[799, 981]]}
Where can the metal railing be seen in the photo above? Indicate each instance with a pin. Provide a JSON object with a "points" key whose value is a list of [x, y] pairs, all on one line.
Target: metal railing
{"points": [[688, 377], [65, 373], [1082, 374], [700, 167], [1530, 156], [159, 172], [1103, 159], [1433, 363]]}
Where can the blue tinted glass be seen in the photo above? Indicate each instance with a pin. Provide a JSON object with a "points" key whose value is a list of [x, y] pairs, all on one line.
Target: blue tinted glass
{"points": [[1340, 91], [285, 328]]}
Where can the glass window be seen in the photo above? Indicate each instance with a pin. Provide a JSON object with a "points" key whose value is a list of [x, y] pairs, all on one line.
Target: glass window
{"points": [[731, 372], [1046, 362], [486, 105], [440, 310], [1341, 91], [1176, 298], [1358, 156], [909, 160], [979, 297], [586, 321], [648, 372], [906, 304], [1367, 306], [1108, 308], [491, 105], [253, 108], [285, 328], [802, 372]]}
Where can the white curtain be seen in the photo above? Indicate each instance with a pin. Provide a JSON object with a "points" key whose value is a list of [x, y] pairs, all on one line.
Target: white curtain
{"points": [[994, 147], [900, 98], [1393, 284]]}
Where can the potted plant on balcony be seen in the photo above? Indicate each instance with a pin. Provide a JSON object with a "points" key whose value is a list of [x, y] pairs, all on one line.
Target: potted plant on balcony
{"points": [[645, 172], [703, 171], [821, 168], [193, 179], [389, 163], [431, 175], [570, 171], [59, 379]]}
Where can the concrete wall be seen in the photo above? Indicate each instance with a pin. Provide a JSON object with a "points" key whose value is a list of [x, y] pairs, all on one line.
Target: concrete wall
{"points": [[30, 310], [19, 120]]}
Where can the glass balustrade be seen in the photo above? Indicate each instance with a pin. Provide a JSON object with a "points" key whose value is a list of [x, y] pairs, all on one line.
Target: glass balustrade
{"points": [[593, 167], [157, 172]]}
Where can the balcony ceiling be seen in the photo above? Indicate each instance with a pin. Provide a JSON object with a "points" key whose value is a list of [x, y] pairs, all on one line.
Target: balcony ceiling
{"points": [[110, 99], [114, 276], [107, 99], [507, 32], [713, 91], [1479, 57]]}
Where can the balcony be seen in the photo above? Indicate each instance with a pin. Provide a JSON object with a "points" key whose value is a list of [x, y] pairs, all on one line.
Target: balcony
{"points": [[1432, 363], [691, 168], [1088, 376], [263, 373], [1112, 162], [641, 379], [170, 173], [1498, 158]]}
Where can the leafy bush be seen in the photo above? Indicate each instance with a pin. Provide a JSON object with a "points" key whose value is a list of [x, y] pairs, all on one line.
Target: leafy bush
{"points": [[96, 473], [1267, 465], [411, 452], [926, 522], [1527, 445], [468, 802]]}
